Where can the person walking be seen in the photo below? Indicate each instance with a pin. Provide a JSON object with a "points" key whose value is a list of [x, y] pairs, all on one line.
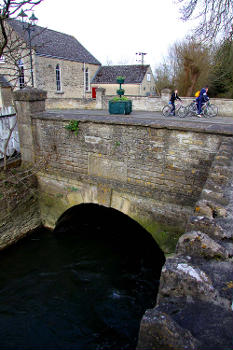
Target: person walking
{"points": [[201, 99], [174, 97]]}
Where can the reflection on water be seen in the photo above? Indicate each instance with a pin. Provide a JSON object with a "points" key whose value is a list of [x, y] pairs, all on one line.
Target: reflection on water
{"points": [[85, 286]]}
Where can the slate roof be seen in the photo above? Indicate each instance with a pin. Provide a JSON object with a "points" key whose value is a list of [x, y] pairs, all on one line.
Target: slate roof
{"points": [[4, 82], [133, 74], [50, 43]]}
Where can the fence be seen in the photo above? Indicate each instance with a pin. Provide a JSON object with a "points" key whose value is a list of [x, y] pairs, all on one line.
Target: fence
{"points": [[7, 122]]}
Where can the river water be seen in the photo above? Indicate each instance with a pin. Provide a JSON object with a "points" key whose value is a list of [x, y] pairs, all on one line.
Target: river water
{"points": [[84, 286]]}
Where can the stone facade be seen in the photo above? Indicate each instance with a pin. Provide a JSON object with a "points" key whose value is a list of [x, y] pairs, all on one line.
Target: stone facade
{"points": [[72, 77], [72, 71]]}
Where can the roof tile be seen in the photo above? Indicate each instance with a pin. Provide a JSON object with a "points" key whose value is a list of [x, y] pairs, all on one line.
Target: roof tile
{"points": [[47, 42], [133, 74]]}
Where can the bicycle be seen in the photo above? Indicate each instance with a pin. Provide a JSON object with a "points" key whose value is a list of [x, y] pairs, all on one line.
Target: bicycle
{"points": [[180, 110], [208, 109]]}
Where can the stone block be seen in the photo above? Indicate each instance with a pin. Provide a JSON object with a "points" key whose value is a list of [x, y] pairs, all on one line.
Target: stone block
{"points": [[107, 168], [180, 278], [197, 244], [159, 331]]}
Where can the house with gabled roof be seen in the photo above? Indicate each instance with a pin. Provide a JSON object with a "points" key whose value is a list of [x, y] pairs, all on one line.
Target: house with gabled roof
{"points": [[139, 80], [61, 64]]}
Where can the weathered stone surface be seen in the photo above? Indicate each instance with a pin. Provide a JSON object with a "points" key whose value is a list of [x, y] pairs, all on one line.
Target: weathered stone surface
{"points": [[211, 207], [203, 209], [208, 226], [159, 331], [180, 278], [210, 324], [154, 163], [16, 223], [29, 94], [197, 243]]}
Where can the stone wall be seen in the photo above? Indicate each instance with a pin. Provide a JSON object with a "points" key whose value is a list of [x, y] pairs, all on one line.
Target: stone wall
{"points": [[155, 104], [68, 103], [149, 173], [194, 308], [19, 213], [140, 103]]}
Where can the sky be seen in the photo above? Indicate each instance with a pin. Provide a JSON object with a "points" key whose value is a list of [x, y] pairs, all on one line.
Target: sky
{"points": [[113, 31]]}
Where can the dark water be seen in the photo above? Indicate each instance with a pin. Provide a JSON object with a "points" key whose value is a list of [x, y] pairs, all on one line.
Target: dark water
{"points": [[84, 286]]}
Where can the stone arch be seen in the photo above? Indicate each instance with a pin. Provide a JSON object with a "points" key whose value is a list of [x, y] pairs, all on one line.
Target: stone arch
{"points": [[112, 225], [56, 199]]}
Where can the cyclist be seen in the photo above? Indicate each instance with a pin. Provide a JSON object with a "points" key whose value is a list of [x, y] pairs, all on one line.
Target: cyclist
{"points": [[174, 97], [201, 99]]}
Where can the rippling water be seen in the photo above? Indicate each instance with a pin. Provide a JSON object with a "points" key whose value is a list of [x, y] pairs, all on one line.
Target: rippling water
{"points": [[75, 290]]}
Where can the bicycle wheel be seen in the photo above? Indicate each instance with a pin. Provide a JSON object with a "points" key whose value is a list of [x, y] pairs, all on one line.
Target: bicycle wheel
{"points": [[212, 111], [166, 110], [182, 112], [191, 109]]}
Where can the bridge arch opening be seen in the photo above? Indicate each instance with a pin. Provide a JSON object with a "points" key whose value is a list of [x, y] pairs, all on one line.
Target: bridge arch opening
{"points": [[122, 259], [108, 225]]}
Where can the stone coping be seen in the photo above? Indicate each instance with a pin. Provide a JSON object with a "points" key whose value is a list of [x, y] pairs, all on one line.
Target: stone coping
{"points": [[219, 125]]}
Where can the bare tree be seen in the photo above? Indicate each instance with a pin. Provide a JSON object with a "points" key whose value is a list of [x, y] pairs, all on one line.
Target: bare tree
{"points": [[185, 68], [215, 16], [10, 9], [193, 64], [13, 50]]}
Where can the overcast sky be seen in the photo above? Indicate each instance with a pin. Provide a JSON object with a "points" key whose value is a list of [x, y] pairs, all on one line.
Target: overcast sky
{"points": [[115, 30]]}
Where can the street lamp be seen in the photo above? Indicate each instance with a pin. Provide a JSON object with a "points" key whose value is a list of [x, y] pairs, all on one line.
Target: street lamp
{"points": [[29, 27]]}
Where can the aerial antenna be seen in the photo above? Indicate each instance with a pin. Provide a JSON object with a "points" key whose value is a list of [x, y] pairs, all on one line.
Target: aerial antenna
{"points": [[140, 57]]}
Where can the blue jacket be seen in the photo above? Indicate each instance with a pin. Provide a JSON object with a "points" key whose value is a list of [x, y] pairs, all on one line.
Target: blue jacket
{"points": [[203, 96]]}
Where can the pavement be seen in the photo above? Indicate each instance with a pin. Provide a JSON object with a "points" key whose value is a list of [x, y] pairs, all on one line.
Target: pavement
{"points": [[142, 114], [217, 125]]}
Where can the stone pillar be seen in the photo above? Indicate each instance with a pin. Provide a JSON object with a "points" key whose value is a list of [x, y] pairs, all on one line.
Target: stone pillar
{"points": [[100, 93], [165, 95], [27, 102]]}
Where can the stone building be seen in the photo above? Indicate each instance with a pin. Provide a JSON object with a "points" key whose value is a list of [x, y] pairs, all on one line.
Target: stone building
{"points": [[139, 80], [61, 65]]}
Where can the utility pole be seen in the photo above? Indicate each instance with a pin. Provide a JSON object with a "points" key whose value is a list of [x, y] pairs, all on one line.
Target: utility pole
{"points": [[140, 57]]}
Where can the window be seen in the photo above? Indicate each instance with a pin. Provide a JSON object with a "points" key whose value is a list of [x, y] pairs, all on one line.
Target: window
{"points": [[148, 77], [58, 77], [21, 74], [87, 87]]}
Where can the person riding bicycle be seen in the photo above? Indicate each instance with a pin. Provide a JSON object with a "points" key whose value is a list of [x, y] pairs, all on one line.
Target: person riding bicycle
{"points": [[201, 99], [174, 97]]}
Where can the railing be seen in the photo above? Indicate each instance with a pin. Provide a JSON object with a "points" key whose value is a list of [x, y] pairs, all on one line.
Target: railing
{"points": [[7, 123]]}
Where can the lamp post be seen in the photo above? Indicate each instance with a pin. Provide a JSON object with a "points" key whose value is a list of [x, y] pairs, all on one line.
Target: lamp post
{"points": [[29, 27]]}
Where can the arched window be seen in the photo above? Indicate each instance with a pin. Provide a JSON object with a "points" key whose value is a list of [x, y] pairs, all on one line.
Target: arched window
{"points": [[21, 74], [58, 77], [87, 87]]}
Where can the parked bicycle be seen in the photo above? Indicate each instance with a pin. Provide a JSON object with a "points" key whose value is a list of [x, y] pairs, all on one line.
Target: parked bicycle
{"points": [[180, 110], [208, 110]]}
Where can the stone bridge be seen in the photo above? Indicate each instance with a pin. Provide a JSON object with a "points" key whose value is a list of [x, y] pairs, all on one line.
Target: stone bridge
{"points": [[149, 168], [155, 170]]}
